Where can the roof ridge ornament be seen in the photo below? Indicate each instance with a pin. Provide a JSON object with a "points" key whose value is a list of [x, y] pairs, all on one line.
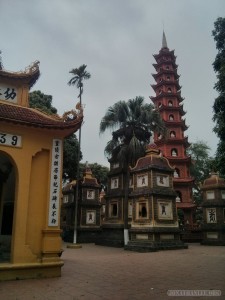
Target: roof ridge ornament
{"points": [[32, 67], [72, 114]]}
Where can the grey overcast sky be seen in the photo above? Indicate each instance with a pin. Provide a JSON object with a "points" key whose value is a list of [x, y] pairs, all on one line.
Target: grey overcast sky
{"points": [[116, 40]]}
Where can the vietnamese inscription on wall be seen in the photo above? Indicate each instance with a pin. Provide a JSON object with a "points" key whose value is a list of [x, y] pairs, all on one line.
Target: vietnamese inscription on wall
{"points": [[53, 219], [8, 93], [12, 140]]}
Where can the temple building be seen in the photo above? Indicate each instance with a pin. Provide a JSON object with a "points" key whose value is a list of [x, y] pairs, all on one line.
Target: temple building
{"points": [[112, 233], [154, 223], [31, 145], [88, 209], [213, 227], [169, 102]]}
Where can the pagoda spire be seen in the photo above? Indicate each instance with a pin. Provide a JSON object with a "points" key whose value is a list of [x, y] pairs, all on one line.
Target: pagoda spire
{"points": [[164, 42]]}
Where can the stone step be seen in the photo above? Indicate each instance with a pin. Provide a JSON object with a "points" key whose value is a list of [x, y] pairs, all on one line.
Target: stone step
{"points": [[150, 246]]}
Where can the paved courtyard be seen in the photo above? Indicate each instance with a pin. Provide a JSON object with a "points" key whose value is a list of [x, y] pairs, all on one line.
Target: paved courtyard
{"points": [[96, 272]]}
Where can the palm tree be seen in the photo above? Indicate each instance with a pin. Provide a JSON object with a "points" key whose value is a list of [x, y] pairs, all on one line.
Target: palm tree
{"points": [[134, 122], [80, 74], [1, 65]]}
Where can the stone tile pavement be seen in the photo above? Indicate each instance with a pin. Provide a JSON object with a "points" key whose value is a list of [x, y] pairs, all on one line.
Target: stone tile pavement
{"points": [[97, 272]]}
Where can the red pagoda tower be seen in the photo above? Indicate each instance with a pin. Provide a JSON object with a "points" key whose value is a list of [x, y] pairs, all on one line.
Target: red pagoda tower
{"points": [[168, 101]]}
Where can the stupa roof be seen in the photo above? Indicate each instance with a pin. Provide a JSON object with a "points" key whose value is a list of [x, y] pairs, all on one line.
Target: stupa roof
{"points": [[88, 178], [152, 159], [213, 181]]}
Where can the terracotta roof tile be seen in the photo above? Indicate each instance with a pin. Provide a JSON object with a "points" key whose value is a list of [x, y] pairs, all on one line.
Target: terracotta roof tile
{"points": [[31, 117], [152, 161]]}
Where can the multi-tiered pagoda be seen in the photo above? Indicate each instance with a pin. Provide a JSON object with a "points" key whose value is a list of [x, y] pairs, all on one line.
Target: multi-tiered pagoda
{"points": [[168, 100]]}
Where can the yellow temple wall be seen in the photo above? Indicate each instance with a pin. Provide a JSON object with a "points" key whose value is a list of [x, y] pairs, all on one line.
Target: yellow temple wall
{"points": [[33, 241]]}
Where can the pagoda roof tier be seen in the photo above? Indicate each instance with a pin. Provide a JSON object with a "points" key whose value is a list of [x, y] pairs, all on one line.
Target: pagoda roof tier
{"points": [[92, 182], [159, 64], [166, 72], [166, 82], [169, 141], [31, 117], [172, 108], [183, 181], [172, 95], [186, 205], [152, 191], [165, 52], [176, 124], [176, 159], [29, 76]]}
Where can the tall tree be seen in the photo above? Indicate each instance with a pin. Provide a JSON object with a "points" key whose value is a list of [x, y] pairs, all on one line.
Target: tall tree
{"points": [[219, 104], [202, 165], [79, 75], [134, 122], [70, 157], [43, 102], [1, 64]]}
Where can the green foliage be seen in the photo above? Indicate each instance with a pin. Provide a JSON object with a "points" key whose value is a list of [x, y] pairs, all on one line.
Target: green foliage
{"points": [[70, 157], [1, 65], [202, 165], [80, 74], [133, 122], [219, 104], [44, 103]]}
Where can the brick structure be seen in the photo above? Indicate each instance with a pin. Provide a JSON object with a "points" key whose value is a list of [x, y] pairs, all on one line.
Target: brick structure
{"points": [[89, 208], [154, 223], [213, 192], [113, 224], [168, 101]]}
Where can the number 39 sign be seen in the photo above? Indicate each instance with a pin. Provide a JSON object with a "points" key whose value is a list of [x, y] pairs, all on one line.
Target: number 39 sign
{"points": [[12, 140]]}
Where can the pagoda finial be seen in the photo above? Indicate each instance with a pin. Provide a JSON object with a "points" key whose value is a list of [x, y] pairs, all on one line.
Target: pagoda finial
{"points": [[164, 42]]}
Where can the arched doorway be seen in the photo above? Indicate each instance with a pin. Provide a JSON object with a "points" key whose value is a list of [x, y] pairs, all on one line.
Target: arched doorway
{"points": [[7, 200]]}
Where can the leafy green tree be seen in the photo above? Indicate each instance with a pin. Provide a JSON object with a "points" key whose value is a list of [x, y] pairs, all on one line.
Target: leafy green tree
{"points": [[219, 104], [70, 157], [70, 151], [1, 65], [202, 165], [79, 75], [134, 122], [43, 102]]}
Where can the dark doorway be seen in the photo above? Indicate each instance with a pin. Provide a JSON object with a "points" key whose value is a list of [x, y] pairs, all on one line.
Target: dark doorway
{"points": [[7, 199]]}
